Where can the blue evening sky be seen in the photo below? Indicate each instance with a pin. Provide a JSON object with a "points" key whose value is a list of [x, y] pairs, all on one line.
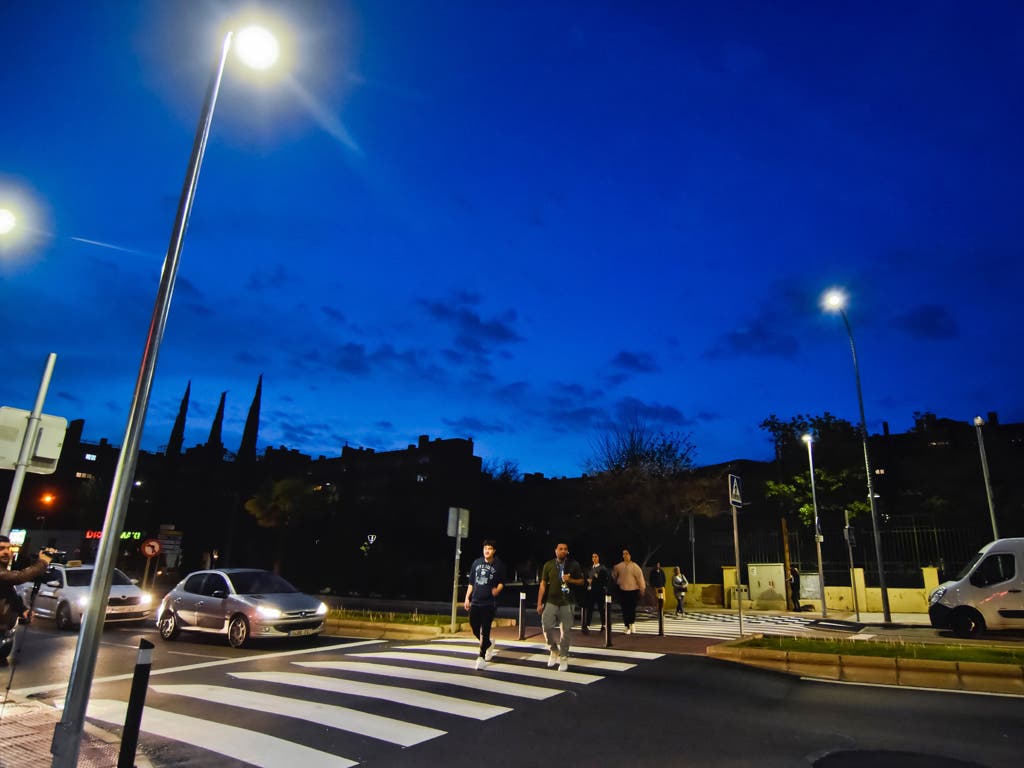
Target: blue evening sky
{"points": [[518, 222]]}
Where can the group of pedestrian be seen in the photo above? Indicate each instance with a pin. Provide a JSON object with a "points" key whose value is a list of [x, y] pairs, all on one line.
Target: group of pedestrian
{"points": [[563, 584]]}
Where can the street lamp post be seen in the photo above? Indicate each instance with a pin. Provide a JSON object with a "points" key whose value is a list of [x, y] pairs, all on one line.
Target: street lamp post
{"points": [[978, 424], [809, 439], [835, 301], [67, 733]]}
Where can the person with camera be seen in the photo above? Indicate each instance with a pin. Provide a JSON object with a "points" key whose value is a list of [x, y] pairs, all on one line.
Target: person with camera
{"points": [[12, 607], [555, 603]]}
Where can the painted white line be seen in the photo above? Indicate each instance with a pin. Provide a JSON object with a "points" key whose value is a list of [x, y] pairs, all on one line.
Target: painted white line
{"points": [[493, 666], [580, 649], [248, 746], [408, 696], [911, 688], [197, 655], [376, 727], [533, 658], [476, 682], [168, 670]]}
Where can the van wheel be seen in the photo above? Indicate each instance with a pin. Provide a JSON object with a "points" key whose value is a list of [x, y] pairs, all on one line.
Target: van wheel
{"points": [[966, 622]]}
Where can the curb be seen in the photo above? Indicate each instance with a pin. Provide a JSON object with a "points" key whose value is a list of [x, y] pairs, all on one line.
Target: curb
{"points": [[976, 676], [382, 630]]}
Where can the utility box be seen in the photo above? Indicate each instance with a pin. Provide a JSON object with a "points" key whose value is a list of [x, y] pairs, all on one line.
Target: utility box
{"points": [[45, 445], [767, 585]]}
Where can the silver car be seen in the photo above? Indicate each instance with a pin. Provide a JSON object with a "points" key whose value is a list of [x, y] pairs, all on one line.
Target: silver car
{"points": [[242, 603], [64, 592]]}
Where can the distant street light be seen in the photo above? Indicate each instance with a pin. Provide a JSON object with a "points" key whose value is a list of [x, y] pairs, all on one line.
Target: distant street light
{"points": [[68, 732], [809, 439], [978, 424], [835, 301]]}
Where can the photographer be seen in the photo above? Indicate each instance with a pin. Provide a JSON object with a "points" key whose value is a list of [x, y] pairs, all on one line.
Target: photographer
{"points": [[12, 607]]}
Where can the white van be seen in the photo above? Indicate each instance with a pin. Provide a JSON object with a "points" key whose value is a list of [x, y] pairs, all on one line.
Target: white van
{"points": [[987, 594]]}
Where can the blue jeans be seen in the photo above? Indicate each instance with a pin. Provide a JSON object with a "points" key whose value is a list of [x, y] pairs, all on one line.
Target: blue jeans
{"points": [[562, 616]]}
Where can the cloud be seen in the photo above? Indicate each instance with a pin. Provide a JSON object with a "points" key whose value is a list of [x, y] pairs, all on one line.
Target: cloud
{"points": [[929, 322], [756, 340], [471, 329], [636, 362], [470, 425], [629, 408]]}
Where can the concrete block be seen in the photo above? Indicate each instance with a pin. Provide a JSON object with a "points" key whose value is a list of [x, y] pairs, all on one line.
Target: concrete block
{"points": [[824, 665], [926, 673], [996, 678], [868, 669]]}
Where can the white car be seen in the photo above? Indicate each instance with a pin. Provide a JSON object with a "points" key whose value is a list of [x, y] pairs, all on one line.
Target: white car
{"points": [[64, 593]]}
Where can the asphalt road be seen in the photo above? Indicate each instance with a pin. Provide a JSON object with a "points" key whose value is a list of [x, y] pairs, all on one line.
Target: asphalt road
{"points": [[377, 704]]}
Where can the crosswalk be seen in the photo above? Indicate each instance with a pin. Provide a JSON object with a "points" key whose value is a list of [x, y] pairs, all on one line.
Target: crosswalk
{"points": [[393, 697], [722, 626]]}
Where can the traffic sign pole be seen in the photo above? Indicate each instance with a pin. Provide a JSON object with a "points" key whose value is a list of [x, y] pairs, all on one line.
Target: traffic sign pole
{"points": [[736, 501]]}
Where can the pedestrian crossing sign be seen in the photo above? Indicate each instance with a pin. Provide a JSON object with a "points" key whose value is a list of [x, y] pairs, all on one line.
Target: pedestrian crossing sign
{"points": [[735, 491]]}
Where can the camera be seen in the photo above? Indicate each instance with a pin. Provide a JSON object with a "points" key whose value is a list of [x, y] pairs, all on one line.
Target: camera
{"points": [[56, 555]]}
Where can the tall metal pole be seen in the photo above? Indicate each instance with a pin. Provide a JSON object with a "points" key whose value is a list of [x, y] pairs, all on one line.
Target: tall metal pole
{"points": [[817, 526], [849, 554], [26, 446], [867, 468], [978, 424], [67, 734]]}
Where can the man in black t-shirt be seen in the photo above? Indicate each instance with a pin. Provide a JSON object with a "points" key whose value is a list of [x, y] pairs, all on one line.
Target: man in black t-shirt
{"points": [[486, 581]]}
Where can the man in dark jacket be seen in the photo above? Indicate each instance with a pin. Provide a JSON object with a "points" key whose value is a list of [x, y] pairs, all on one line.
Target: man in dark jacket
{"points": [[597, 588], [12, 607]]}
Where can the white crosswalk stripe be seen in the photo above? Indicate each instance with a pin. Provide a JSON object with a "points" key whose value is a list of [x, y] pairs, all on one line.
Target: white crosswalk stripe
{"points": [[251, 747], [344, 719], [476, 682], [407, 696], [721, 626], [198, 714]]}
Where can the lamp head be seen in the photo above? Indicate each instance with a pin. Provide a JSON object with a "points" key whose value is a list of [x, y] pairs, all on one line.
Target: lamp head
{"points": [[256, 47], [833, 300], [807, 438], [978, 421], [8, 221]]}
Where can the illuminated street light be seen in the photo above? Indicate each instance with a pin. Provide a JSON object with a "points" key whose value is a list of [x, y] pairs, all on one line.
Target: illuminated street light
{"points": [[817, 524], [8, 221], [67, 734], [978, 424], [256, 47], [835, 301]]}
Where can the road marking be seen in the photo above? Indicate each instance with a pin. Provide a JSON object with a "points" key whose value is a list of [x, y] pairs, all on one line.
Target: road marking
{"points": [[203, 665], [251, 747], [476, 682], [375, 726], [533, 658], [910, 688], [198, 655], [492, 666], [408, 696], [582, 649]]}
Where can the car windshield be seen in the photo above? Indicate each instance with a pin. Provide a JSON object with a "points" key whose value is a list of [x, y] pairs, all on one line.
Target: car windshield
{"points": [[81, 577], [260, 583], [967, 568]]}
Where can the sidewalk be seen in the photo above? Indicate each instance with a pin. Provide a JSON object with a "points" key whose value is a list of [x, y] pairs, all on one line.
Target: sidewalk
{"points": [[26, 732]]}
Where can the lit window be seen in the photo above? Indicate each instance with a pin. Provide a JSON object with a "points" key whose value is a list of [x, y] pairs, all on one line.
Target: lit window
{"points": [[421, 478], [84, 476], [90, 457]]}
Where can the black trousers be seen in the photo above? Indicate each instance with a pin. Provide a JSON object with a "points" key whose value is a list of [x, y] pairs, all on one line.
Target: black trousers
{"points": [[627, 599], [595, 602], [480, 619]]}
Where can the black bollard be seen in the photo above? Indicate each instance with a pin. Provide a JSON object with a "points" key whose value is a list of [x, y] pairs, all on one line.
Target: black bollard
{"points": [[136, 701], [522, 614], [607, 621]]}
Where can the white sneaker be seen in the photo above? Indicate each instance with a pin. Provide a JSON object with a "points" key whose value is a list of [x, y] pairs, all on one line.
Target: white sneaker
{"points": [[629, 629], [553, 659], [563, 664], [480, 662], [489, 653]]}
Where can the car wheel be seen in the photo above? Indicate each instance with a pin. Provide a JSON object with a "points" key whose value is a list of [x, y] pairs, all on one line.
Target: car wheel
{"points": [[966, 622], [238, 631], [169, 627], [63, 617]]}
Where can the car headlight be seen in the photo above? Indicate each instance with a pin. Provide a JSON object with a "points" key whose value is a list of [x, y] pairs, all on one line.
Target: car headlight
{"points": [[321, 610], [82, 602], [936, 595], [268, 613], [146, 598]]}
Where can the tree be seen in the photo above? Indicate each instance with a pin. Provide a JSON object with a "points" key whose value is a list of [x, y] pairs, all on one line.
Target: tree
{"points": [[283, 505], [502, 470], [642, 486], [835, 494]]}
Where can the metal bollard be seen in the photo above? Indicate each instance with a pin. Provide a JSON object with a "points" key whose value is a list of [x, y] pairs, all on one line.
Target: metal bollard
{"points": [[607, 621], [136, 701], [522, 615], [661, 617]]}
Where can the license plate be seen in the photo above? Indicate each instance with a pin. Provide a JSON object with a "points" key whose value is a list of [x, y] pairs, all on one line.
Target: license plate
{"points": [[300, 632], [121, 608]]}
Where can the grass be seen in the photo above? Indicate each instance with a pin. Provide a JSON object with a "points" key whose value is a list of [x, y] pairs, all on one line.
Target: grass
{"points": [[900, 650], [392, 617]]}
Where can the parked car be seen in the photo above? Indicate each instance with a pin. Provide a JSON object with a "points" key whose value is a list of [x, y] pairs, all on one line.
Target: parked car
{"points": [[987, 594], [242, 603], [65, 591]]}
